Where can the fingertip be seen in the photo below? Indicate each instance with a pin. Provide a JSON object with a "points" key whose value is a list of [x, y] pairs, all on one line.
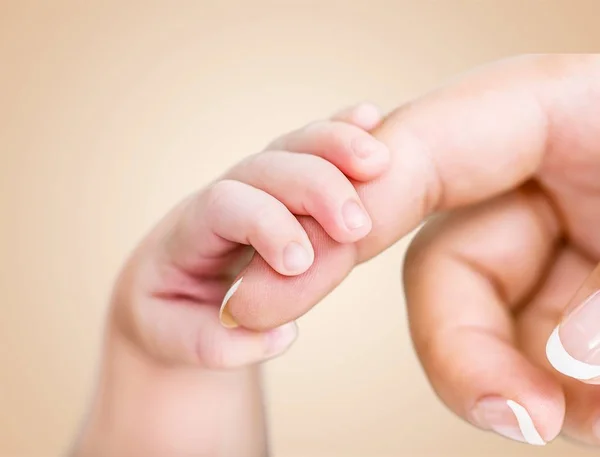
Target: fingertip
{"points": [[527, 417], [357, 221], [506, 418], [365, 115], [572, 348], [371, 152], [297, 258], [488, 381], [267, 299], [526, 425], [368, 157]]}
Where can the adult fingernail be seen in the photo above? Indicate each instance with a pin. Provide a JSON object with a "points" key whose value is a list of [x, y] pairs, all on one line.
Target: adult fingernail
{"points": [[280, 339], [367, 147], [507, 418], [296, 258], [225, 316], [573, 349], [354, 216]]}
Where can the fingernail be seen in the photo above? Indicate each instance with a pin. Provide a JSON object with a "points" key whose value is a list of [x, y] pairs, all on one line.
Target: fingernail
{"points": [[354, 216], [224, 315], [366, 147], [573, 349], [280, 339], [296, 257], [507, 418]]}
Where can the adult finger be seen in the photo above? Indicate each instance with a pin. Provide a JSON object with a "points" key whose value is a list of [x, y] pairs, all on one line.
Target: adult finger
{"points": [[458, 146], [573, 349], [460, 298], [178, 329], [536, 321]]}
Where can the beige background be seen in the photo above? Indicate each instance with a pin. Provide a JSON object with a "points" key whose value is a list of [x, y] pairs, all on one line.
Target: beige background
{"points": [[109, 113]]}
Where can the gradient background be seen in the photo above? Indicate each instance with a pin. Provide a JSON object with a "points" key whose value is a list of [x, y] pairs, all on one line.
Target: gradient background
{"points": [[111, 112]]}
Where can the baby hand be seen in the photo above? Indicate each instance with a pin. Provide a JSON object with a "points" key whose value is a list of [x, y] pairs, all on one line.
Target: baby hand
{"points": [[168, 298]]}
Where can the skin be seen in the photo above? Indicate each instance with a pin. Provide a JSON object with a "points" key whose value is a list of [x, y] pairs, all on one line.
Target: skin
{"points": [[502, 165], [174, 380]]}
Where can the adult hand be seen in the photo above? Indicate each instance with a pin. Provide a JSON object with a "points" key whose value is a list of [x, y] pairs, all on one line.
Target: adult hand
{"points": [[506, 163]]}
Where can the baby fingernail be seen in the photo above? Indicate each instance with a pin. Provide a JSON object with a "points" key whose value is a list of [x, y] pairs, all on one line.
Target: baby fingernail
{"points": [[365, 147], [296, 257], [354, 216], [507, 418], [281, 338], [224, 315], [573, 349]]}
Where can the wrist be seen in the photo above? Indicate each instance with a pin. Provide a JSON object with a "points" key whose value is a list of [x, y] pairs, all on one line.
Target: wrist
{"points": [[142, 407]]}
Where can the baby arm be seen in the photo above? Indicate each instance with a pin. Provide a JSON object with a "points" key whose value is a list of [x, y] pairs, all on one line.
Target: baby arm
{"points": [[175, 381]]}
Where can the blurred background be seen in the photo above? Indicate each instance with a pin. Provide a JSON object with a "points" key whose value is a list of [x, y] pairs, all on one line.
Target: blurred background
{"points": [[110, 112]]}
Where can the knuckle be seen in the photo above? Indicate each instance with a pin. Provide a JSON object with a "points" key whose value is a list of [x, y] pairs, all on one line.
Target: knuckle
{"points": [[331, 188], [345, 138], [334, 135], [324, 187], [220, 192], [262, 163], [266, 219], [279, 143], [317, 127], [333, 132]]}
